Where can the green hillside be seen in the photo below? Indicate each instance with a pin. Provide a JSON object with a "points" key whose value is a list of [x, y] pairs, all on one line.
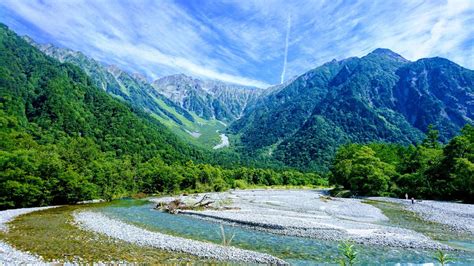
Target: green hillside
{"points": [[64, 140], [379, 97], [53, 119], [138, 92]]}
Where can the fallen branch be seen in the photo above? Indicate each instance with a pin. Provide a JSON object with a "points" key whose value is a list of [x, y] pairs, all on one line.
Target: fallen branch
{"points": [[176, 205], [200, 201]]}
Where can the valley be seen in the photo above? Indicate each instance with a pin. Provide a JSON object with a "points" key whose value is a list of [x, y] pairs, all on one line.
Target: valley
{"points": [[180, 102], [236, 133], [304, 121]]}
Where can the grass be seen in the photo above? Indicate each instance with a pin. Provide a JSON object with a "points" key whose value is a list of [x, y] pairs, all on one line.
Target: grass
{"points": [[52, 235], [443, 258], [226, 240]]}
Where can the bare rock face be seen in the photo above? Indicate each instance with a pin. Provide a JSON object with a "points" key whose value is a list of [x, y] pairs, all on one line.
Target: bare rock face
{"points": [[209, 99], [435, 91]]}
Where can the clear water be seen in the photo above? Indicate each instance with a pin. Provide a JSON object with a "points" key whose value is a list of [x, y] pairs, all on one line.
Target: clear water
{"points": [[296, 250]]}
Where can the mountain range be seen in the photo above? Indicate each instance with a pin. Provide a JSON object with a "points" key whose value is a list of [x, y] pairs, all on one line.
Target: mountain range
{"points": [[209, 99], [192, 108], [380, 97]]}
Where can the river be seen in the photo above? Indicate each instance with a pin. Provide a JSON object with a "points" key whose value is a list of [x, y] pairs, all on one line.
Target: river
{"points": [[224, 142], [295, 250]]}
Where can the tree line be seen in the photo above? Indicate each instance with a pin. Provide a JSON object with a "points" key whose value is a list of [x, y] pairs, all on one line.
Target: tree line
{"points": [[63, 140], [428, 170], [75, 169]]}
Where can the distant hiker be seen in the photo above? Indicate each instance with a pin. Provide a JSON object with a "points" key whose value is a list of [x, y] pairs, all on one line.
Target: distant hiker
{"points": [[406, 196], [412, 200]]}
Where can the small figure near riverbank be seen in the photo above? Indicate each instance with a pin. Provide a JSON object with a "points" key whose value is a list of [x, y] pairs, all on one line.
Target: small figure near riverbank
{"points": [[406, 196], [412, 200]]}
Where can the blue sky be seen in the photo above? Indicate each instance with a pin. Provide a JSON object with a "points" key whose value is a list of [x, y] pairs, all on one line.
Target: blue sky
{"points": [[249, 42]]}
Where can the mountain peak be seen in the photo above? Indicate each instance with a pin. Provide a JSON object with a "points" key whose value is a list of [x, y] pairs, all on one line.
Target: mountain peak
{"points": [[140, 77], [114, 70], [28, 39], [178, 77], [388, 53]]}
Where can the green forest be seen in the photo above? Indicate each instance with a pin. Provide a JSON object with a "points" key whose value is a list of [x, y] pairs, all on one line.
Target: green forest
{"points": [[63, 140], [428, 170]]}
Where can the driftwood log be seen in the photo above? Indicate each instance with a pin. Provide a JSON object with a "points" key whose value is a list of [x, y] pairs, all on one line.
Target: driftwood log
{"points": [[176, 205]]}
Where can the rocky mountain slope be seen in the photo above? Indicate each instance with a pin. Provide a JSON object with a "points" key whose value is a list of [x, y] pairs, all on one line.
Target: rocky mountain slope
{"points": [[378, 97], [207, 98]]}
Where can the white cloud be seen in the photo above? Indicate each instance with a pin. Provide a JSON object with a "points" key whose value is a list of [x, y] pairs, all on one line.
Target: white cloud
{"points": [[160, 36], [285, 60], [241, 41]]}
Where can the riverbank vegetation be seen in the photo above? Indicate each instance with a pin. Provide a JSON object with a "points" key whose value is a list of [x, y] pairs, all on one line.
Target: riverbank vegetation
{"points": [[76, 169], [428, 170]]}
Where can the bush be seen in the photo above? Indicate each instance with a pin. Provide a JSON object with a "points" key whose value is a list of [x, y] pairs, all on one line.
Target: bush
{"points": [[240, 184]]}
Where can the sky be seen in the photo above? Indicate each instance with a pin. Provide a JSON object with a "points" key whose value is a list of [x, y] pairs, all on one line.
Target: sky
{"points": [[248, 42]]}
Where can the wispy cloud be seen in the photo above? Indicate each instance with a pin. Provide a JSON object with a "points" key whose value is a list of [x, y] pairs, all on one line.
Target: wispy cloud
{"points": [[285, 60], [158, 36], [241, 41]]}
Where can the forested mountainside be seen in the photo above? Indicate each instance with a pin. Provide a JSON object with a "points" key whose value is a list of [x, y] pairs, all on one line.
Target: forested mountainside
{"points": [[379, 97], [208, 99], [136, 90], [52, 114], [63, 139], [132, 88]]}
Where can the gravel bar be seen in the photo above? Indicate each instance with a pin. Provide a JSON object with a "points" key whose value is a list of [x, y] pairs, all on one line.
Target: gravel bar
{"points": [[309, 213], [8, 254], [100, 223], [458, 217]]}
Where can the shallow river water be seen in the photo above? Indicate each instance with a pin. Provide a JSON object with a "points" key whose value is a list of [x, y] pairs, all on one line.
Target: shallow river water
{"points": [[296, 250]]}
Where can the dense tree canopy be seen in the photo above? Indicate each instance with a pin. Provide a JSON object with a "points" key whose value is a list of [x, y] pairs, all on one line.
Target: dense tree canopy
{"points": [[360, 170], [428, 170]]}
